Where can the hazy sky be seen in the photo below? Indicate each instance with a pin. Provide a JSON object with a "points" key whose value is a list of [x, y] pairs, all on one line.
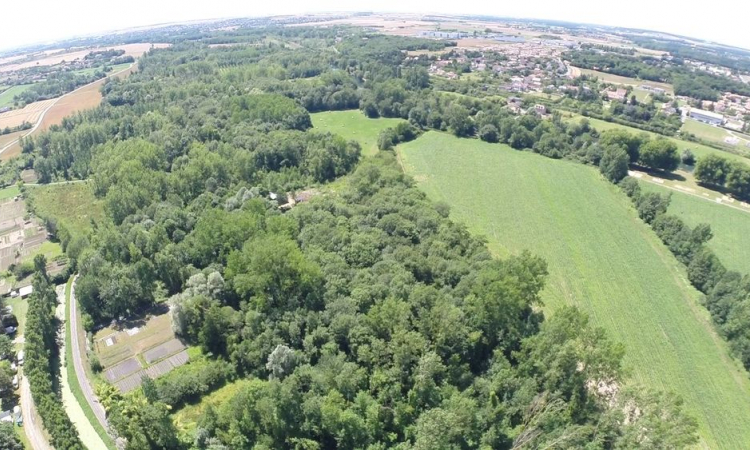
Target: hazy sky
{"points": [[25, 22]]}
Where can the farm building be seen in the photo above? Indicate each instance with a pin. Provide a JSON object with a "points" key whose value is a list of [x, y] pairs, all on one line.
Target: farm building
{"points": [[706, 116]]}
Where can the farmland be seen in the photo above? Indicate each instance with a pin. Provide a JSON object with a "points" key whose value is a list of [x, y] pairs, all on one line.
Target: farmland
{"points": [[6, 96], [29, 113], [617, 79], [139, 347], [730, 226], [353, 125], [601, 258], [710, 132]]}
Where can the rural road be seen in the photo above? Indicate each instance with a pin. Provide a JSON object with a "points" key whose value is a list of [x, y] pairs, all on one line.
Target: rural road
{"points": [[31, 426], [41, 116], [86, 431], [83, 380]]}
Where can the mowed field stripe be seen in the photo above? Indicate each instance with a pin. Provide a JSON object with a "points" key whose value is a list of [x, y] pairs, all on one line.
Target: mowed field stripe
{"points": [[601, 258]]}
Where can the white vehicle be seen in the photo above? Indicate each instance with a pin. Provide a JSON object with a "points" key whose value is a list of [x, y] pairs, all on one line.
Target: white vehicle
{"points": [[20, 358], [15, 381]]}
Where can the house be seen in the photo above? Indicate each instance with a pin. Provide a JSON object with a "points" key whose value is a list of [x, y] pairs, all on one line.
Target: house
{"points": [[6, 416], [706, 116], [540, 109], [25, 291], [619, 94]]}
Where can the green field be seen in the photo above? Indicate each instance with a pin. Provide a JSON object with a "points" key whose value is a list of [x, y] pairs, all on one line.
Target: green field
{"points": [[186, 419], [6, 97], [699, 150], [72, 204], [114, 69], [709, 132], [9, 192], [601, 258], [731, 227], [617, 79], [353, 125]]}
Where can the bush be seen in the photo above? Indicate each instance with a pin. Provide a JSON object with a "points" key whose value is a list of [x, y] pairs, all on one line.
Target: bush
{"points": [[650, 205], [631, 187], [193, 380], [688, 158], [488, 133]]}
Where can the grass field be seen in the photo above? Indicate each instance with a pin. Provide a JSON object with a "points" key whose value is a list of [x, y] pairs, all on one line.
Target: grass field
{"points": [[72, 204], [710, 132], [617, 79], [601, 258], [731, 227], [92, 70], [353, 125], [6, 97], [699, 150], [8, 192]]}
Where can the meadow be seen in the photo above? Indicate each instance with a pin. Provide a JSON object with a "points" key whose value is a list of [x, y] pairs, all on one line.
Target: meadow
{"points": [[710, 132], [601, 258], [353, 125], [72, 204], [6, 97], [617, 79], [730, 226]]}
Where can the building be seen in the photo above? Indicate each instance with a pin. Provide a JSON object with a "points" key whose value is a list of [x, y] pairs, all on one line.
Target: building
{"points": [[619, 94], [25, 291], [706, 116], [540, 109]]}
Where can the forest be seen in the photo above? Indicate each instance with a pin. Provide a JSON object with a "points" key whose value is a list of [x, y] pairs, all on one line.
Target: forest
{"points": [[363, 318]]}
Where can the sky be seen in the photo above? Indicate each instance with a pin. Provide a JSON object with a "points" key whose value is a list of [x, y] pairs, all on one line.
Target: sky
{"points": [[27, 22]]}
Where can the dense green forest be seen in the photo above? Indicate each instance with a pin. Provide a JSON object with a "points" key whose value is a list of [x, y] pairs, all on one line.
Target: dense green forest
{"points": [[365, 318]]}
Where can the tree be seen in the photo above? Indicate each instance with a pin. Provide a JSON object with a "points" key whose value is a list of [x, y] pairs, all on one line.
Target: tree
{"points": [[651, 204], [705, 270], [687, 157], [488, 133], [281, 362], [712, 169], [738, 179], [9, 440], [6, 347], [659, 154], [459, 121], [632, 142], [614, 163]]}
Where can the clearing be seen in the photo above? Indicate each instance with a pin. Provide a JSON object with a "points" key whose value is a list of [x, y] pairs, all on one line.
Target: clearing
{"points": [[186, 419], [617, 79], [601, 258], [713, 133], [730, 226], [73, 205], [353, 125]]}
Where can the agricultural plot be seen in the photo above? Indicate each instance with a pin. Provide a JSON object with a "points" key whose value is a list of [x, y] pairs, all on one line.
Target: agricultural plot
{"points": [[712, 133], [601, 258], [730, 226], [29, 113], [72, 205], [20, 238], [617, 79], [6, 96], [353, 125], [134, 349]]}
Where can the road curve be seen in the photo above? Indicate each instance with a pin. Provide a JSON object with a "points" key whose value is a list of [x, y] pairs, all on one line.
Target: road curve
{"points": [[41, 117], [32, 428], [83, 380]]}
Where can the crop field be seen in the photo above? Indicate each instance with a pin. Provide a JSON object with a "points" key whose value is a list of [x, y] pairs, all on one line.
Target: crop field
{"points": [[29, 113], [6, 96], [73, 205], [731, 227], [617, 79], [601, 258], [353, 125], [137, 348]]}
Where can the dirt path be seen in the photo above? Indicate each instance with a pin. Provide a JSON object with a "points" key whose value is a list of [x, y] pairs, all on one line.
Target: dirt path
{"points": [[83, 380], [86, 431], [31, 424]]}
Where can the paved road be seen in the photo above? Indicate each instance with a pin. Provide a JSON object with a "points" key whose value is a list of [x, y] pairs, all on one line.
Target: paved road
{"points": [[41, 117], [83, 380], [32, 427]]}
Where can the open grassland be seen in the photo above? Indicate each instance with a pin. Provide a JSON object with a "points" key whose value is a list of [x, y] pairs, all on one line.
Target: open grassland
{"points": [[601, 258], [6, 97], [730, 226], [73, 205], [355, 126], [710, 132], [699, 150], [617, 79], [9, 192]]}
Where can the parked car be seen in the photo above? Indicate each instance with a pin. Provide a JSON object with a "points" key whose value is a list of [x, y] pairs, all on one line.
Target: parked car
{"points": [[19, 358]]}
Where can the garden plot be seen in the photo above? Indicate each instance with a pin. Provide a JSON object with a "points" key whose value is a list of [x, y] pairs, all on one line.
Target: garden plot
{"points": [[130, 350]]}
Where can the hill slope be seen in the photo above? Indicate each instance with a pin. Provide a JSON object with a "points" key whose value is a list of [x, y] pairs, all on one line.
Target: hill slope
{"points": [[601, 258]]}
